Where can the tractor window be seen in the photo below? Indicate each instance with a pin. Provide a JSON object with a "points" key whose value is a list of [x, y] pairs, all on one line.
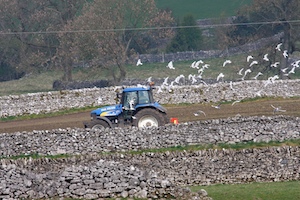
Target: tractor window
{"points": [[144, 97], [130, 100]]}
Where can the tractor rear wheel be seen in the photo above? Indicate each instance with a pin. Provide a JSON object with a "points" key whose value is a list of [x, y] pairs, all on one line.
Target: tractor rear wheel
{"points": [[149, 118], [98, 124]]}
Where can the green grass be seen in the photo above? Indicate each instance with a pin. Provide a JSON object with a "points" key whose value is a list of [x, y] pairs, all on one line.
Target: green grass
{"points": [[44, 81], [202, 9], [253, 191]]}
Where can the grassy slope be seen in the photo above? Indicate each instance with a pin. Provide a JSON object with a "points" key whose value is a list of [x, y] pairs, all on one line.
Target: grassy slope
{"points": [[259, 191], [202, 9], [44, 81]]}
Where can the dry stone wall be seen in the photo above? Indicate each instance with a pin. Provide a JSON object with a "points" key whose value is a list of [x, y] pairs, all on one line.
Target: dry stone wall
{"points": [[147, 175], [45, 102], [88, 174], [91, 175], [86, 141]]}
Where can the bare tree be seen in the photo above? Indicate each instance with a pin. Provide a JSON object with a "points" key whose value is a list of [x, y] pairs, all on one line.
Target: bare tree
{"points": [[28, 39], [106, 29], [264, 18]]}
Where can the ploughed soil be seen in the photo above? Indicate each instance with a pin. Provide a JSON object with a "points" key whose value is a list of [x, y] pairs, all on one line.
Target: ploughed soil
{"points": [[184, 113]]}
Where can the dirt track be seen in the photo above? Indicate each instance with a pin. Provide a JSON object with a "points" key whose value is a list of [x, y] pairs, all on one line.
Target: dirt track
{"points": [[183, 112]]}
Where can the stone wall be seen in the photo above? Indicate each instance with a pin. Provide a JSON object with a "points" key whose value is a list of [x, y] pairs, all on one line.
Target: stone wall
{"points": [[45, 102], [85, 141], [90, 174]]}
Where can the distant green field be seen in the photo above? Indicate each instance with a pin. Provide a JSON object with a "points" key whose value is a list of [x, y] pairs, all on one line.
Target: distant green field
{"points": [[202, 9]]}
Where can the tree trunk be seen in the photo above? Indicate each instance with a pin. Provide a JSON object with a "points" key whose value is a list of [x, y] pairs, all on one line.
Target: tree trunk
{"points": [[67, 67], [285, 46]]}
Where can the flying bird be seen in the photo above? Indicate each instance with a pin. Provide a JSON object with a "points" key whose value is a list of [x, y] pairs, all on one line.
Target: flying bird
{"points": [[192, 78], [249, 58], [254, 62], [257, 75], [265, 58], [273, 78], [216, 106], [240, 72], [177, 79], [166, 81], [296, 63], [205, 66], [285, 54], [236, 101], [220, 76], [139, 62], [193, 65], [275, 64], [278, 47], [277, 109], [198, 63], [226, 62], [284, 70], [170, 65], [245, 73], [198, 112], [292, 71]]}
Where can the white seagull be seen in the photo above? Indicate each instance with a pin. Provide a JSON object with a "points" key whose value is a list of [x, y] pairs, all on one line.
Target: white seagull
{"points": [[245, 73], [216, 106], [278, 47], [285, 54], [192, 78], [139, 62], [254, 62], [292, 71], [226, 62], [166, 81], [236, 101], [198, 63], [265, 58], [284, 70], [277, 109], [273, 78], [296, 63], [193, 65], [205, 66], [220, 76], [240, 72], [170, 65], [177, 79], [249, 58], [257, 75], [275, 64], [198, 112]]}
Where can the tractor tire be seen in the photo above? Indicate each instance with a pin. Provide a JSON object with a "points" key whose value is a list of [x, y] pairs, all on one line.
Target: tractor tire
{"points": [[149, 118], [98, 125]]}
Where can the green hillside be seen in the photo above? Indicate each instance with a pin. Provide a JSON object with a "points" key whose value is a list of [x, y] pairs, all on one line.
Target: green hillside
{"points": [[202, 9]]}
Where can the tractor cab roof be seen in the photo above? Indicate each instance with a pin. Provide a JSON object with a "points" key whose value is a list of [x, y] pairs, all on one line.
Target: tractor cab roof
{"points": [[133, 89]]}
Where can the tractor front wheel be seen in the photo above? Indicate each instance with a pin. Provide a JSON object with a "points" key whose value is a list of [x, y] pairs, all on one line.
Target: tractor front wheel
{"points": [[149, 118], [98, 124]]}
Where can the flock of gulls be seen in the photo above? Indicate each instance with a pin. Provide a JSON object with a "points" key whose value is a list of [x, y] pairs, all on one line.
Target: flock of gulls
{"points": [[244, 72]]}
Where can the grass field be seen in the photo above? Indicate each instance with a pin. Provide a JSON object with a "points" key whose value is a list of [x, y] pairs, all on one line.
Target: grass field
{"points": [[254, 191], [43, 81], [202, 9]]}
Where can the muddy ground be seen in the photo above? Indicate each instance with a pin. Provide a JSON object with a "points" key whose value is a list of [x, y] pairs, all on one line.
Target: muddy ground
{"points": [[184, 113]]}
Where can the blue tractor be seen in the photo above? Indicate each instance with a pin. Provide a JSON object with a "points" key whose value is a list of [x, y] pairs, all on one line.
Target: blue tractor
{"points": [[137, 108]]}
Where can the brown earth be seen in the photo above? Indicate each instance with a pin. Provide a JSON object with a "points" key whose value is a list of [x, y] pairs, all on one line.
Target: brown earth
{"points": [[184, 113]]}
